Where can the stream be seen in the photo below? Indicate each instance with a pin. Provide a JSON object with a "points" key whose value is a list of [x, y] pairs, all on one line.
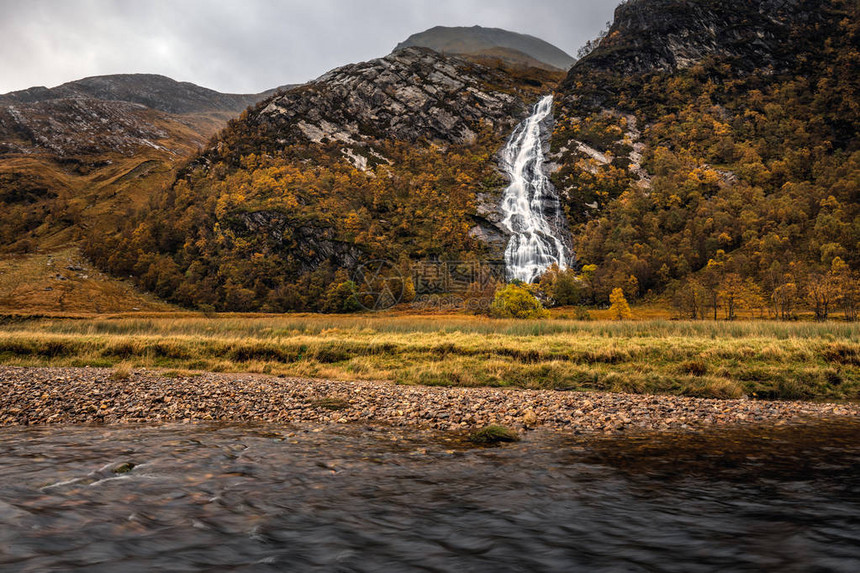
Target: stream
{"points": [[359, 498]]}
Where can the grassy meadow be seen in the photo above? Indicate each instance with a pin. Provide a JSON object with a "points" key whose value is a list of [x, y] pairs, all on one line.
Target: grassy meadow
{"points": [[710, 359]]}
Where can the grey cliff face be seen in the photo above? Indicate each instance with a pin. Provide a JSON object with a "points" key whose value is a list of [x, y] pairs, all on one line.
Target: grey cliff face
{"points": [[665, 35], [409, 95], [309, 246]]}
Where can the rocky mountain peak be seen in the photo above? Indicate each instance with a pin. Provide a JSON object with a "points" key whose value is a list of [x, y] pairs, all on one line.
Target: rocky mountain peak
{"points": [[410, 94], [413, 94], [665, 35]]}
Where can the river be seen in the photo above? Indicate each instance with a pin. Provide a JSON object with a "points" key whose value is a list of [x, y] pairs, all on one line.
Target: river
{"points": [[358, 498]]}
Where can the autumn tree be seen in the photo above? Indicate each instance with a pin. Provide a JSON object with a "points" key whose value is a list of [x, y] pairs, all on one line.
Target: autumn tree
{"points": [[619, 309], [591, 281], [712, 278], [848, 285], [732, 291], [821, 293], [754, 298], [560, 287], [515, 301], [688, 299], [784, 298]]}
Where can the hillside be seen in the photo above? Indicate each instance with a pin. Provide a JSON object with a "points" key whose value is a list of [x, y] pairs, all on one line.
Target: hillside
{"points": [[96, 145], [711, 150], [88, 154], [491, 44], [383, 159]]}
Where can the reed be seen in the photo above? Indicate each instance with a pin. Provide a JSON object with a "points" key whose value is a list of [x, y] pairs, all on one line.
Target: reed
{"points": [[758, 359]]}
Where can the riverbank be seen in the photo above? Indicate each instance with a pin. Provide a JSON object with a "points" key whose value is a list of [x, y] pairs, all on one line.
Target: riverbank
{"points": [[104, 396], [760, 360]]}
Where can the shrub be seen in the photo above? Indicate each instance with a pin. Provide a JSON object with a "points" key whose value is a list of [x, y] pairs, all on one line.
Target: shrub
{"points": [[491, 435], [122, 371], [560, 287], [341, 298], [514, 301], [581, 313]]}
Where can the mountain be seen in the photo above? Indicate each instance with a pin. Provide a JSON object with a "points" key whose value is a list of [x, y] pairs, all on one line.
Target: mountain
{"points": [[704, 152], [87, 154], [491, 44], [150, 90], [668, 35], [387, 159], [713, 141], [118, 113]]}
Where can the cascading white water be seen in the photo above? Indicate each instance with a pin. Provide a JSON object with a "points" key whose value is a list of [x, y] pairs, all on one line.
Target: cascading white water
{"points": [[536, 241]]}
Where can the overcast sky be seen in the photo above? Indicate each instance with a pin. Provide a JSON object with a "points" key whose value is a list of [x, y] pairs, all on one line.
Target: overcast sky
{"points": [[247, 46]]}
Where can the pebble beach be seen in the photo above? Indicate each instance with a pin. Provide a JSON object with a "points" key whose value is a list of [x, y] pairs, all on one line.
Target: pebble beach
{"points": [[31, 396]]}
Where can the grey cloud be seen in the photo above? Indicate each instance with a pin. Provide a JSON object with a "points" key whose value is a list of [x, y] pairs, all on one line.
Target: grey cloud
{"points": [[251, 45]]}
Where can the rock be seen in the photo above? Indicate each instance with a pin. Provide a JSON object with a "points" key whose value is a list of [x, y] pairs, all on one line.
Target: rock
{"points": [[530, 419], [493, 434], [123, 468]]}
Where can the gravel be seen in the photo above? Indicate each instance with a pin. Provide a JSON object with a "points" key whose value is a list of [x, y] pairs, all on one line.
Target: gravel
{"points": [[94, 395]]}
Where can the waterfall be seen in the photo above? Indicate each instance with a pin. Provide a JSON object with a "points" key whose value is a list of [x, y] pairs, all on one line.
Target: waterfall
{"points": [[533, 213]]}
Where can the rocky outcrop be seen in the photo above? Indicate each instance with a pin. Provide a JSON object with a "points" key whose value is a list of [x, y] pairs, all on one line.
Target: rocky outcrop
{"points": [[410, 95], [68, 127], [665, 35], [309, 245], [488, 226]]}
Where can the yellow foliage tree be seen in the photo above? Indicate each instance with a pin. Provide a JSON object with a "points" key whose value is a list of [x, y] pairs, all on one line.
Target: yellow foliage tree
{"points": [[619, 310]]}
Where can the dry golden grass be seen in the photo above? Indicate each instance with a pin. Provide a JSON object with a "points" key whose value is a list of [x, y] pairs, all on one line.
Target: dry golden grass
{"points": [[726, 360], [62, 281]]}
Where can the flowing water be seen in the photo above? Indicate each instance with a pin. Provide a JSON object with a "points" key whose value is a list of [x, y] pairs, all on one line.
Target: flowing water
{"points": [[530, 204], [353, 498]]}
